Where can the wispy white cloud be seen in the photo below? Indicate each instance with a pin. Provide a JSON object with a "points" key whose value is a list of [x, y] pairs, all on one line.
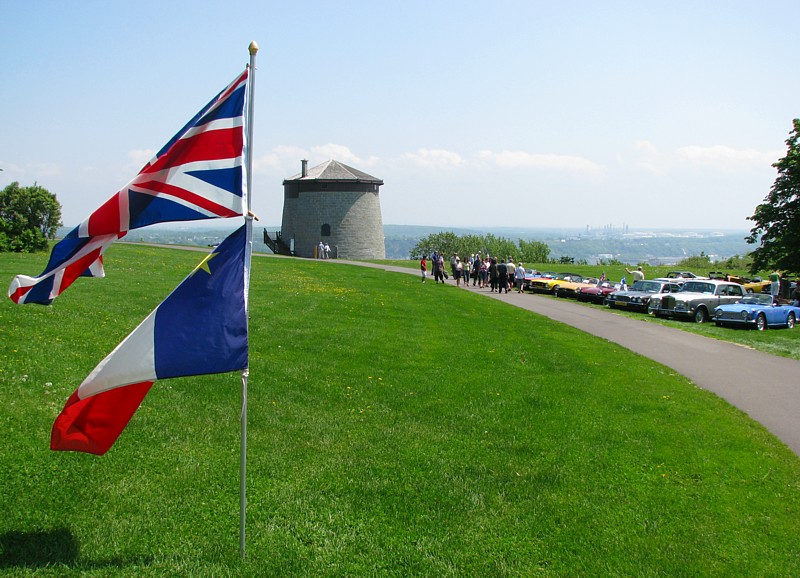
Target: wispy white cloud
{"points": [[726, 158], [285, 159], [521, 159], [281, 159], [717, 157], [138, 158], [30, 170], [435, 158], [646, 146], [651, 159], [343, 154]]}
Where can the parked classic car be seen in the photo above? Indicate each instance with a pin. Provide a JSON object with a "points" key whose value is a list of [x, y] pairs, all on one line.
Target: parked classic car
{"points": [[596, 293], [571, 288], [549, 285], [754, 285], [679, 277], [637, 298], [759, 311], [532, 275], [696, 299]]}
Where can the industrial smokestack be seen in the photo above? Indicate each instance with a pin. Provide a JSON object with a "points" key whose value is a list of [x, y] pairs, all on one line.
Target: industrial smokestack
{"points": [[304, 168]]}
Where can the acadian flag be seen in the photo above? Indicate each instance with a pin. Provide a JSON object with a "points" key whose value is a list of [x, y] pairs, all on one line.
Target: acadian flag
{"points": [[200, 328], [196, 175]]}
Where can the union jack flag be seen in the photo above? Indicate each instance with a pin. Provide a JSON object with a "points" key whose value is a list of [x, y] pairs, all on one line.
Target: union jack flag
{"points": [[197, 175]]}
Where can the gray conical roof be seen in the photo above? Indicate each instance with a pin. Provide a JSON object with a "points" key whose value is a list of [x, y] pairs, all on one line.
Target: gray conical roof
{"points": [[335, 171]]}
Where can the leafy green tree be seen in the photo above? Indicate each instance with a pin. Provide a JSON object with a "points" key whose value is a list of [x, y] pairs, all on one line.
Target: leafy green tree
{"points": [[445, 243], [499, 247], [448, 243], [29, 216], [534, 251], [777, 219], [699, 263], [739, 263]]}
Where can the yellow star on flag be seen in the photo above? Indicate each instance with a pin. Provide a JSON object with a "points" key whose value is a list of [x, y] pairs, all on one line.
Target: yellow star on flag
{"points": [[204, 264]]}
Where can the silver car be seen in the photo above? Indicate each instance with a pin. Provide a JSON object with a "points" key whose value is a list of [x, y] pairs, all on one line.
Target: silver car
{"points": [[696, 299], [638, 297]]}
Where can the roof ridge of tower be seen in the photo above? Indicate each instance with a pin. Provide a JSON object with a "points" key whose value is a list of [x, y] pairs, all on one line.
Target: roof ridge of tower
{"points": [[333, 170]]}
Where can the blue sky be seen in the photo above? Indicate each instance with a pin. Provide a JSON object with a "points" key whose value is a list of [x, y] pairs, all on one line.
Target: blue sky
{"points": [[474, 114]]}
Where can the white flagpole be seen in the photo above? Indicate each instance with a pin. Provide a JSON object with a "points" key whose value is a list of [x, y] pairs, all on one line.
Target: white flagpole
{"points": [[251, 85]]}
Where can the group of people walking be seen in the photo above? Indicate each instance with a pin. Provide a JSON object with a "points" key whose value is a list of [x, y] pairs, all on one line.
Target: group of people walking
{"points": [[483, 271]]}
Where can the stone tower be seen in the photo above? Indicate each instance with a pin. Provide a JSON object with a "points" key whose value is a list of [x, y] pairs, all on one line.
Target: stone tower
{"points": [[335, 204]]}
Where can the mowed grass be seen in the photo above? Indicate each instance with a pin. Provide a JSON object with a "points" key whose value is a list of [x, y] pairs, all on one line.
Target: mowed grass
{"points": [[395, 429]]}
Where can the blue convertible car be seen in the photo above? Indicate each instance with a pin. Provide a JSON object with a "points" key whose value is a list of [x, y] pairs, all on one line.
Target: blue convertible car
{"points": [[757, 311]]}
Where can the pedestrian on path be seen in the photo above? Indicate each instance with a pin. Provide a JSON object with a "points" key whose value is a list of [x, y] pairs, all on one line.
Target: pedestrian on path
{"points": [[520, 277]]}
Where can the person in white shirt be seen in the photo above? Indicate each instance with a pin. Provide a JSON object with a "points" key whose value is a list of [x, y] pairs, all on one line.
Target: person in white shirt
{"points": [[638, 274], [520, 277]]}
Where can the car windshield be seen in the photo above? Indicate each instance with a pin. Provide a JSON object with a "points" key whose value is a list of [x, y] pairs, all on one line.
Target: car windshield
{"points": [[647, 286], [569, 277], [698, 287], [757, 300]]}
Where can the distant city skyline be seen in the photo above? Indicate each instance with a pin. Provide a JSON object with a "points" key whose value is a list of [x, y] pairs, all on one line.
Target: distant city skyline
{"points": [[513, 113]]}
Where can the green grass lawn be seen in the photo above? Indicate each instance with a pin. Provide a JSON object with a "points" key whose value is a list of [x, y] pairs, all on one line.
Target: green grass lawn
{"points": [[395, 429]]}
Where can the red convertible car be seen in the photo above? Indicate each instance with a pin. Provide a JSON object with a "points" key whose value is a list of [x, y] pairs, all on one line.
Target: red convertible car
{"points": [[596, 294]]}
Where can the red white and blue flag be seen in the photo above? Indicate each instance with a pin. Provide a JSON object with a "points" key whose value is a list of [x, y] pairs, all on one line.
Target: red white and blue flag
{"points": [[198, 174], [200, 328]]}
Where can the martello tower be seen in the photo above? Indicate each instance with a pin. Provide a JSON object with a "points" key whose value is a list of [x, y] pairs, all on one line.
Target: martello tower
{"points": [[335, 204]]}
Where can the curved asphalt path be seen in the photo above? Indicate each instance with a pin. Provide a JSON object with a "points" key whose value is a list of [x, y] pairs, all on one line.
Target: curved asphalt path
{"points": [[766, 387]]}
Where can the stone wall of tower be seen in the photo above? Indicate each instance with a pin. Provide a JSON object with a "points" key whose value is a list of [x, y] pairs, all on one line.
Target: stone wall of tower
{"points": [[356, 226]]}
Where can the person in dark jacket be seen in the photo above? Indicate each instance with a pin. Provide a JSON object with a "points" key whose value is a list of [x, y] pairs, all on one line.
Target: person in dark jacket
{"points": [[502, 275]]}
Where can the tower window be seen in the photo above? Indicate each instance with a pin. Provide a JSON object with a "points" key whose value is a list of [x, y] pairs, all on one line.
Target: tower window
{"points": [[326, 230]]}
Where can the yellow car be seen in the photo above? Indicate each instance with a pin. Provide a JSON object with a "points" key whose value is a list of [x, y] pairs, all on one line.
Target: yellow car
{"points": [[571, 288], [754, 285], [551, 284]]}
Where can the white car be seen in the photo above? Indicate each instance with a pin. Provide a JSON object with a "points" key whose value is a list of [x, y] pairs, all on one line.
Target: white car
{"points": [[696, 299]]}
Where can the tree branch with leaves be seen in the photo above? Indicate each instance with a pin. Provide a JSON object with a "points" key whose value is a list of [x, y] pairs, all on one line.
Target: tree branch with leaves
{"points": [[777, 219], [29, 216]]}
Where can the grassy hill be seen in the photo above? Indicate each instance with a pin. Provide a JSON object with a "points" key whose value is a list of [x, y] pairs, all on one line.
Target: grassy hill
{"points": [[395, 429]]}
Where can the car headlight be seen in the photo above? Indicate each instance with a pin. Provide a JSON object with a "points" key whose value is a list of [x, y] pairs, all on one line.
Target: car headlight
{"points": [[745, 315]]}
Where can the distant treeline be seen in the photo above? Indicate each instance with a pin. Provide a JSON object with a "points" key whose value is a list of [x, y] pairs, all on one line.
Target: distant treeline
{"points": [[539, 252], [448, 243]]}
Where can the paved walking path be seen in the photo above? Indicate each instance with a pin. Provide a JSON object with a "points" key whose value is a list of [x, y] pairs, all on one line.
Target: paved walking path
{"points": [[766, 387]]}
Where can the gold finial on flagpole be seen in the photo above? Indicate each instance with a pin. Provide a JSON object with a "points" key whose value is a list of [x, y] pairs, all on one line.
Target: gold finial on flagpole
{"points": [[253, 48]]}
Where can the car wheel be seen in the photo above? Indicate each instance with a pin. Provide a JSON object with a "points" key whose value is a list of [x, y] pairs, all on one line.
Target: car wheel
{"points": [[555, 290], [749, 290], [761, 322], [790, 321], [701, 315]]}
